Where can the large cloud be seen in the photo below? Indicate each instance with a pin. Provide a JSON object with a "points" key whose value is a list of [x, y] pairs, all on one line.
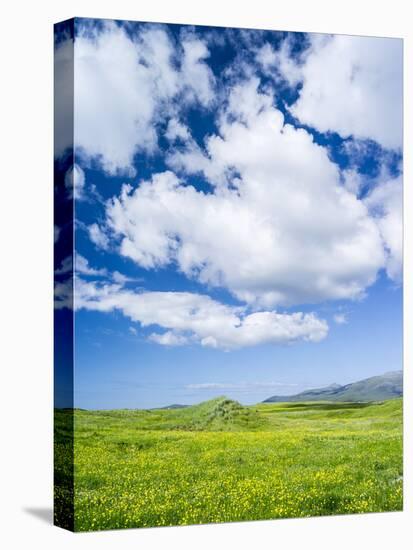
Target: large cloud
{"points": [[188, 317], [124, 85], [354, 86], [63, 95], [278, 226]]}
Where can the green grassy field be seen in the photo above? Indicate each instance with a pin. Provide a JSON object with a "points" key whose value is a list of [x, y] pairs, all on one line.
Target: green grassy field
{"points": [[219, 462]]}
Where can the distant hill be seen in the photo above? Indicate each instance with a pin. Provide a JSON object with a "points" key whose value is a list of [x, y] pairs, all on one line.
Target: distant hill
{"points": [[174, 406], [376, 388]]}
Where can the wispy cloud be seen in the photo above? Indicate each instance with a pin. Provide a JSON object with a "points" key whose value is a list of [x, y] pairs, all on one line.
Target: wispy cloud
{"points": [[341, 318], [82, 267], [240, 387]]}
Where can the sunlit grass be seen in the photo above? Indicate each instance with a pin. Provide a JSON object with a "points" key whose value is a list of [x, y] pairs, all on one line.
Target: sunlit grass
{"points": [[221, 462]]}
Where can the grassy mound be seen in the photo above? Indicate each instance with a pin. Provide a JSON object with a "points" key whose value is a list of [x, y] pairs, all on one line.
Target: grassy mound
{"points": [[219, 414], [223, 414]]}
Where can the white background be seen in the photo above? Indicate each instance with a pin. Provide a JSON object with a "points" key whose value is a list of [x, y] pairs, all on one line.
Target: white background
{"points": [[26, 272]]}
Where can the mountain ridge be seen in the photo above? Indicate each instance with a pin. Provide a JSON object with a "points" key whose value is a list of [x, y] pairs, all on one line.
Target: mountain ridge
{"points": [[375, 388]]}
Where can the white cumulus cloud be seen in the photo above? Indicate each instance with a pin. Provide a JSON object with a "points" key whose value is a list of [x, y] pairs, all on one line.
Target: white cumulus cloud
{"points": [[189, 317], [353, 85], [278, 226], [63, 96], [125, 85]]}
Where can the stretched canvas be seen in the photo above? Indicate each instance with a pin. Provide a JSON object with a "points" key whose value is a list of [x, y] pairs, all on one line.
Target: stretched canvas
{"points": [[228, 274]]}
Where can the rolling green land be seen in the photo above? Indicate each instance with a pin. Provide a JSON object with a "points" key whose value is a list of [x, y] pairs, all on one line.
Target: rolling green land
{"points": [[220, 461]]}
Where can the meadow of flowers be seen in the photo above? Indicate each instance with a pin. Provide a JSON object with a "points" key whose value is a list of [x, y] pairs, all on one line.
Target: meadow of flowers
{"points": [[220, 462]]}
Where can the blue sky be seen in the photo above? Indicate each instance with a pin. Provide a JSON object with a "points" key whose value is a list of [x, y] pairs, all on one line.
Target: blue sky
{"points": [[238, 206]]}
